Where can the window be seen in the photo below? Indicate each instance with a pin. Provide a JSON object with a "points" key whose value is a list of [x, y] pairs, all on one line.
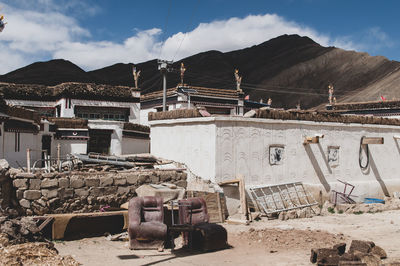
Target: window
{"points": [[276, 154], [17, 141]]}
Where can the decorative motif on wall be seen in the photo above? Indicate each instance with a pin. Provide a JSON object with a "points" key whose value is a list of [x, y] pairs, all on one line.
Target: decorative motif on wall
{"points": [[333, 155], [276, 154]]}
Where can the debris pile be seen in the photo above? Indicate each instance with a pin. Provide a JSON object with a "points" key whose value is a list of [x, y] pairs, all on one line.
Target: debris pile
{"points": [[364, 252], [359, 208], [33, 254], [278, 239]]}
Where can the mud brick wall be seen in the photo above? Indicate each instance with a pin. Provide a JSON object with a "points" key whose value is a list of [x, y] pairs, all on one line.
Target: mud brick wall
{"points": [[38, 194]]}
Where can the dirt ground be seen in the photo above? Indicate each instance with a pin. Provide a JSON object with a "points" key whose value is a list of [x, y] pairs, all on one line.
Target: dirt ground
{"points": [[265, 242]]}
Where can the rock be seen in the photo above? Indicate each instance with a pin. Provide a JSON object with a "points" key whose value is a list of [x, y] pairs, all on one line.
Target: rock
{"points": [[182, 183], [371, 260], [25, 175], [65, 193], [32, 194], [361, 246], [251, 113], [48, 175], [81, 192], [25, 203], [96, 191], [282, 216], [110, 190], [323, 256], [341, 248], [20, 193], [20, 183], [291, 214], [123, 190], [144, 178], [132, 179], [4, 166], [120, 181], [378, 251], [41, 202], [49, 183], [165, 176], [34, 184], [106, 181], [351, 263], [50, 193], [63, 182], [92, 182], [77, 182]]}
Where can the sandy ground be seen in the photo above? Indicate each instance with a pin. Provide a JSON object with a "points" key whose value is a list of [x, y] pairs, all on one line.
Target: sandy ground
{"points": [[266, 242]]}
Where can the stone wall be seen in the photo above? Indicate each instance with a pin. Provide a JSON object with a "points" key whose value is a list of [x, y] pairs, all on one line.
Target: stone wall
{"points": [[38, 194]]}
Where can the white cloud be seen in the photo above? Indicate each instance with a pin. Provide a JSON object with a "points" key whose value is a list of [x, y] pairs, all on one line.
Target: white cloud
{"points": [[41, 29]]}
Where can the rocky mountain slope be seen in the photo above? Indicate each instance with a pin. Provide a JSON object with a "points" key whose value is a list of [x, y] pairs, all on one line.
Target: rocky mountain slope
{"points": [[290, 69]]}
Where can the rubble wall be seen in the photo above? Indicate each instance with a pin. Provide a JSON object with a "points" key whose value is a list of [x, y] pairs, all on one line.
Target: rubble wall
{"points": [[38, 194]]}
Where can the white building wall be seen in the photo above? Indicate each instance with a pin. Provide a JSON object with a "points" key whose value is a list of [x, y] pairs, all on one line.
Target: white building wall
{"points": [[241, 147], [135, 146], [186, 140], [68, 146], [27, 141]]}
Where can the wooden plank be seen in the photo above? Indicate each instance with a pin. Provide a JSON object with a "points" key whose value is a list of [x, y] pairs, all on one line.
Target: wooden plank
{"points": [[229, 182], [309, 140], [372, 140], [242, 195]]}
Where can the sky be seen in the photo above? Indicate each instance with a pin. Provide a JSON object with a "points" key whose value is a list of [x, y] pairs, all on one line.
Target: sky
{"points": [[98, 33]]}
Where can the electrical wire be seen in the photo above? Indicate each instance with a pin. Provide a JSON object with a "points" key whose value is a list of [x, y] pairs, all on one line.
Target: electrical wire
{"points": [[165, 28], [187, 29]]}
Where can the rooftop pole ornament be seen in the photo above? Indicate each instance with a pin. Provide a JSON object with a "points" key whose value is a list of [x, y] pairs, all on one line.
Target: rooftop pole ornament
{"points": [[183, 69], [238, 80], [136, 75], [2, 23]]}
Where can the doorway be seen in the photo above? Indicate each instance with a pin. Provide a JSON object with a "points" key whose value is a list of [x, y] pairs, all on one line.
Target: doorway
{"points": [[99, 141]]}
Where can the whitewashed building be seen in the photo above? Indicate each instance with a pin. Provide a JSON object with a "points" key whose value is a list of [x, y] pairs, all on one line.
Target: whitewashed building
{"points": [[110, 115], [278, 148]]}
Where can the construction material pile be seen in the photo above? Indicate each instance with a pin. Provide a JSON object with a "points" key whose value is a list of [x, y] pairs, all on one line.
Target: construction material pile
{"points": [[21, 243], [360, 252]]}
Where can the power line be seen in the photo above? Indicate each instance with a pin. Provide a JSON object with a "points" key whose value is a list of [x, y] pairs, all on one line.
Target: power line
{"points": [[165, 28], [187, 29]]}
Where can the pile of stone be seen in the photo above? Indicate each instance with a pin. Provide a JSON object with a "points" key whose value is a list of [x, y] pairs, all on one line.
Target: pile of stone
{"points": [[362, 253], [17, 230]]}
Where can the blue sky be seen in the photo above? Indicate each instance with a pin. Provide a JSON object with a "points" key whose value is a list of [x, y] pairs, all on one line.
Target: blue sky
{"points": [[95, 34]]}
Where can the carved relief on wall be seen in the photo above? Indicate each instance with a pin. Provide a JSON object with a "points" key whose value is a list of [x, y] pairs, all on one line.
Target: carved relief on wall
{"points": [[333, 156], [276, 154]]}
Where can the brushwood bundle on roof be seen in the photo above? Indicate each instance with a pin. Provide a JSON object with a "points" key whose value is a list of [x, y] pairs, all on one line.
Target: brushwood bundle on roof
{"points": [[63, 122], [366, 105], [326, 116], [136, 127], [174, 114], [77, 90]]}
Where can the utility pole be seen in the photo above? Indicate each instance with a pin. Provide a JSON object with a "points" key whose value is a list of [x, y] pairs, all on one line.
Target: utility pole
{"points": [[164, 67]]}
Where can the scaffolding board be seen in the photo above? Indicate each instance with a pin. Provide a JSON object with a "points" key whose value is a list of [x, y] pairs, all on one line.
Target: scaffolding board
{"points": [[282, 197]]}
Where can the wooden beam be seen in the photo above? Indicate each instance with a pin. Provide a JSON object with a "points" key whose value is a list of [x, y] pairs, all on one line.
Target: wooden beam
{"points": [[229, 182], [372, 140], [309, 140]]}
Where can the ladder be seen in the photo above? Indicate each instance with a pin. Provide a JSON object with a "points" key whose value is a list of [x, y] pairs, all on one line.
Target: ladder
{"points": [[282, 197]]}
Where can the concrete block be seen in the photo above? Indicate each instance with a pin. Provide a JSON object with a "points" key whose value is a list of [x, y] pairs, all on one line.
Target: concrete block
{"points": [[32, 194], [92, 182], [20, 183], [34, 184], [106, 181], [82, 192], [49, 183], [77, 182], [120, 181], [63, 182], [50, 193], [25, 203]]}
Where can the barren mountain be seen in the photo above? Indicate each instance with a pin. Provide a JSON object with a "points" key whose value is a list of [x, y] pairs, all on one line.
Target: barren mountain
{"points": [[289, 69]]}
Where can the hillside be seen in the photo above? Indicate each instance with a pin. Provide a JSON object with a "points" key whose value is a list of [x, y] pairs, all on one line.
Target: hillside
{"points": [[289, 69]]}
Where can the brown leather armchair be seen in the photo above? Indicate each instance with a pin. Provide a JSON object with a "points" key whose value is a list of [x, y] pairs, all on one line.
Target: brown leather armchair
{"points": [[206, 236], [146, 223]]}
